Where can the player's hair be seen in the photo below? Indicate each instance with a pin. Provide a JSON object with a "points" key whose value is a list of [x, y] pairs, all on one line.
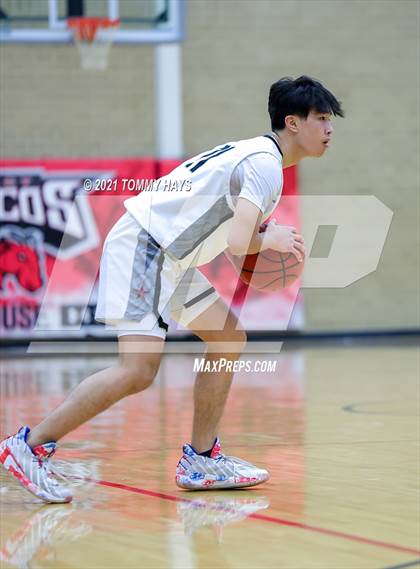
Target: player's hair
{"points": [[298, 97]]}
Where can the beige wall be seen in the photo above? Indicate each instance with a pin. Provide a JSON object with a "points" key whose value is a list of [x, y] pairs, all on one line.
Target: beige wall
{"points": [[365, 51], [49, 107]]}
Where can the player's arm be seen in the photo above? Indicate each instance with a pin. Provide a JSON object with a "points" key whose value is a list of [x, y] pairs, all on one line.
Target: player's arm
{"points": [[244, 237]]}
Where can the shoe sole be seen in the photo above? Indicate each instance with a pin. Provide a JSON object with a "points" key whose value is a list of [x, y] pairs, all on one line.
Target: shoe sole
{"points": [[216, 485], [12, 467]]}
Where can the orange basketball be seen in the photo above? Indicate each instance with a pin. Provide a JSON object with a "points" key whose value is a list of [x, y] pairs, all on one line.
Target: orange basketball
{"points": [[268, 270]]}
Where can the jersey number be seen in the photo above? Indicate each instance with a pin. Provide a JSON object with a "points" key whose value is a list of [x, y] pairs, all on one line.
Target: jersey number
{"points": [[193, 166]]}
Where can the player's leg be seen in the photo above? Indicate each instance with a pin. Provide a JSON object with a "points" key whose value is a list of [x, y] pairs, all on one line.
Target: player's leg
{"points": [[26, 455], [139, 360], [130, 275], [198, 307], [224, 345], [202, 465]]}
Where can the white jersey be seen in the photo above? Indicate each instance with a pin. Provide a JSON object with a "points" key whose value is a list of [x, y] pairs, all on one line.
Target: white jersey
{"points": [[189, 211]]}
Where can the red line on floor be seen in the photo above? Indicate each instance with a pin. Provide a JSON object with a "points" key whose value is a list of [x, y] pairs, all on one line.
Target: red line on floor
{"points": [[271, 519]]}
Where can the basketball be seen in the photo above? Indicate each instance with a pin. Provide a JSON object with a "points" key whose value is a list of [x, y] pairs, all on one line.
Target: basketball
{"points": [[269, 270]]}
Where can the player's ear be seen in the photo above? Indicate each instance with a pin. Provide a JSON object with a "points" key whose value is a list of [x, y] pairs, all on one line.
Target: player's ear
{"points": [[291, 123]]}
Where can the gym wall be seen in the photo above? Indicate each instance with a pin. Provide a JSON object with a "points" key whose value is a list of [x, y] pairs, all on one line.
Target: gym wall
{"points": [[365, 52]]}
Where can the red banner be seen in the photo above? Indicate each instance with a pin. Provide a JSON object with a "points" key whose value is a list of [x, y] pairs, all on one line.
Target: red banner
{"points": [[49, 223]]}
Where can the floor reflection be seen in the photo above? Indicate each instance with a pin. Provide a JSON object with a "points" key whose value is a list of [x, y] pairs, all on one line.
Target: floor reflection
{"points": [[40, 533], [218, 511]]}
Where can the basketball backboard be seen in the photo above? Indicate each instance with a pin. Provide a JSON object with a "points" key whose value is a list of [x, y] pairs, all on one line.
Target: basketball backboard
{"points": [[142, 21]]}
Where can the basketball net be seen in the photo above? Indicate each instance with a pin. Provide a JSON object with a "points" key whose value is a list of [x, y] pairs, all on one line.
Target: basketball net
{"points": [[93, 37]]}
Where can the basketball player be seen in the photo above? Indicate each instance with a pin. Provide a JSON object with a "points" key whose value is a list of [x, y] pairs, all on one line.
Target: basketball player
{"points": [[149, 273]]}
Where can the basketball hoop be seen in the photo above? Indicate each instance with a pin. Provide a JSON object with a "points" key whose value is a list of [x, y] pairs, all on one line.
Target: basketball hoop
{"points": [[93, 37]]}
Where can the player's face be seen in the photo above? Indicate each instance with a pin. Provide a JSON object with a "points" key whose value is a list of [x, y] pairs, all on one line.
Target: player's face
{"points": [[314, 133]]}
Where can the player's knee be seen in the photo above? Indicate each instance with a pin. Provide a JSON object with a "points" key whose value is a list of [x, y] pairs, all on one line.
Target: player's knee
{"points": [[138, 379]]}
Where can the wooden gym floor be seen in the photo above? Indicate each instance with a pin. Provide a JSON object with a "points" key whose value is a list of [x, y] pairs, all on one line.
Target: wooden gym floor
{"points": [[337, 426]]}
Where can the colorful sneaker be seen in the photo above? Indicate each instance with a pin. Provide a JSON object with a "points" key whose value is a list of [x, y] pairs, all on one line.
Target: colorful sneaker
{"points": [[31, 468], [197, 472]]}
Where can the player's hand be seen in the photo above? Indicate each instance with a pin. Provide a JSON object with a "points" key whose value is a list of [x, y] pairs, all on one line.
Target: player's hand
{"points": [[286, 239]]}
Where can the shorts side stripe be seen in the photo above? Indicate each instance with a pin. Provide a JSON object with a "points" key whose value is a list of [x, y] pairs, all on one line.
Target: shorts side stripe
{"points": [[143, 279]]}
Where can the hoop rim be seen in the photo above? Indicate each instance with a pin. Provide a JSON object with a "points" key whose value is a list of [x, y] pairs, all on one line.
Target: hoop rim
{"points": [[77, 21], [85, 28]]}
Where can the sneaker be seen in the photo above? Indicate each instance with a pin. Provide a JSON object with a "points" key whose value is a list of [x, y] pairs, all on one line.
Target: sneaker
{"points": [[197, 472], [31, 468]]}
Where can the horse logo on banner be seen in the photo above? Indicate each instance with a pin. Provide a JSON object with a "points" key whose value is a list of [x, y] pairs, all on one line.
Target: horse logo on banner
{"points": [[22, 261]]}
